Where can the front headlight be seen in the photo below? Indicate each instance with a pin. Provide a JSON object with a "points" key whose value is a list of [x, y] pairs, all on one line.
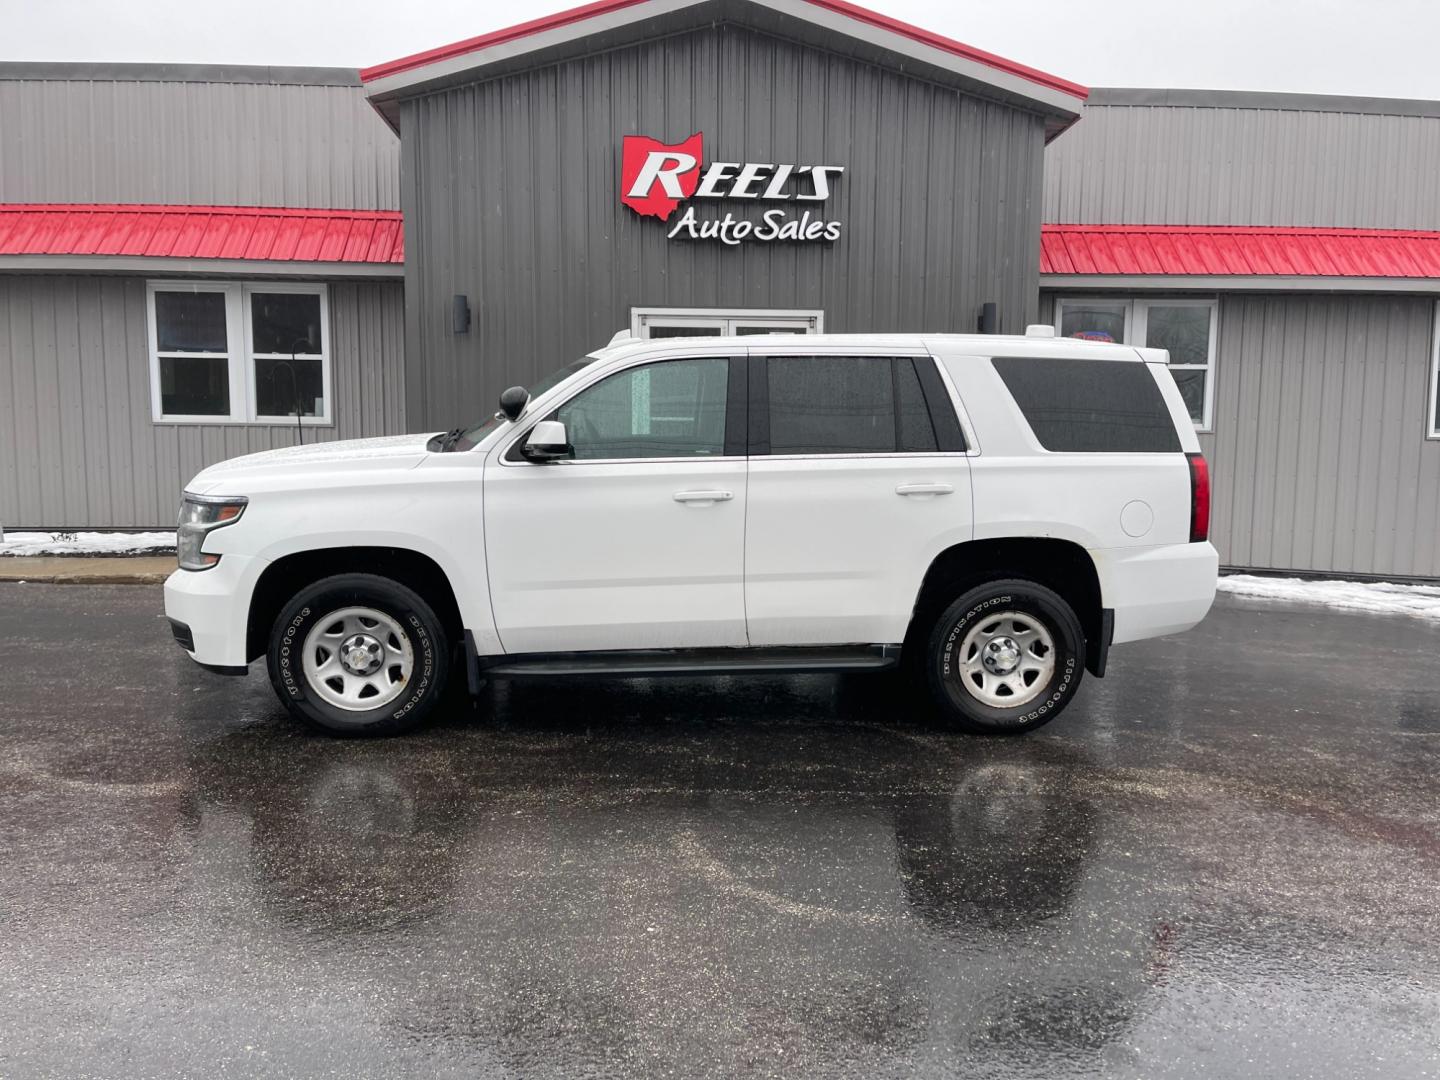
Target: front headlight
{"points": [[199, 514]]}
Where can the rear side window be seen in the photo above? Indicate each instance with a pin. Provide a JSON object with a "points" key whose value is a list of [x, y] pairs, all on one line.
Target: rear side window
{"points": [[851, 405], [831, 405], [1087, 406]]}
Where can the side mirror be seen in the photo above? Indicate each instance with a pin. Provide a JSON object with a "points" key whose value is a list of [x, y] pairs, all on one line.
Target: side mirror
{"points": [[513, 401], [547, 441]]}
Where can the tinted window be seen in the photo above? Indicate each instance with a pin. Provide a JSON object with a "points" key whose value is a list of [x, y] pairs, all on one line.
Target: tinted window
{"points": [[1079, 406], [191, 322], [831, 405], [685, 331], [285, 387], [671, 409], [194, 386], [917, 434], [285, 323], [1094, 320]]}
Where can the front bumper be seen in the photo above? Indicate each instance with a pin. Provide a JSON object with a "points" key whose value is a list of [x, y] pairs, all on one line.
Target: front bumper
{"points": [[212, 610]]}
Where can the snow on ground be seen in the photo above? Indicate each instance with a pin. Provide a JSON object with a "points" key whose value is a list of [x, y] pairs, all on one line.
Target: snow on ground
{"points": [[85, 543], [1381, 597]]}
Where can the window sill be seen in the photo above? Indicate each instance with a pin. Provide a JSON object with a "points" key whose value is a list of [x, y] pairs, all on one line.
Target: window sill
{"points": [[230, 421]]}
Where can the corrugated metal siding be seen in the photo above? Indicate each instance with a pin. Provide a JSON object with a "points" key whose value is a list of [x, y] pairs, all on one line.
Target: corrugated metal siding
{"points": [[239, 144], [77, 445], [1319, 453], [1223, 166], [510, 197]]}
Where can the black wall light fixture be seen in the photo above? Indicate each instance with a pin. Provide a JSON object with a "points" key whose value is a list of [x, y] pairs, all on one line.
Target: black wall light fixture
{"points": [[460, 313], [989, 321]]}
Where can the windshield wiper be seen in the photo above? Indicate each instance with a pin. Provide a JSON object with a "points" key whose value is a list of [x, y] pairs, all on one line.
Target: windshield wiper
{"points": [[443, 444]]}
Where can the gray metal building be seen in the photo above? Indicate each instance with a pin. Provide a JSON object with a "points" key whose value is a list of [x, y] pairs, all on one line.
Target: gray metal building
{"points": [[709, 166], [88, 151], [512, 146], [1312, 224]]}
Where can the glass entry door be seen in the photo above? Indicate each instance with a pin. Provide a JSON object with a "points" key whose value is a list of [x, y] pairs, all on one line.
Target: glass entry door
{"points": [[713, 322]]}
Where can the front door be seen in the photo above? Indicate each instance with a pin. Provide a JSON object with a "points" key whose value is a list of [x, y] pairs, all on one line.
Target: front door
{"points": [[638, 541], [858, 478]]}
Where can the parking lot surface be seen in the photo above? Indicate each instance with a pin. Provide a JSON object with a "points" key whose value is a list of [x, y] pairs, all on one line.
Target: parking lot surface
{"points": [[1223, 860]]}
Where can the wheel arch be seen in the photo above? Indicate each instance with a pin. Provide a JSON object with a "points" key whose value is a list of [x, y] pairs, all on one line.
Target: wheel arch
{"points": [[1062, 566], [290, 573]]}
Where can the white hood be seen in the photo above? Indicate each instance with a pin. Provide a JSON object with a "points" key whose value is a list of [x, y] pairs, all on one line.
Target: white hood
{"points": [[385, 453]]}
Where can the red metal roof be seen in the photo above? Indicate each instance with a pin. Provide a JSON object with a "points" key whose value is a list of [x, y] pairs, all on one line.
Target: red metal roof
{"points": [[605, 7], [264, 233], [1238, 250]]}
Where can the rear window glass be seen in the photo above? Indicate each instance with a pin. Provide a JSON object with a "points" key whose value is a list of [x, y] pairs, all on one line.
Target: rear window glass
{"points": [[1084, 406]]}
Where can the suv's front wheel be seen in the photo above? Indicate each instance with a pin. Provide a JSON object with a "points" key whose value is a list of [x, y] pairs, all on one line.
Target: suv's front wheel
{"points": [[358, 654], [1005, 658]]}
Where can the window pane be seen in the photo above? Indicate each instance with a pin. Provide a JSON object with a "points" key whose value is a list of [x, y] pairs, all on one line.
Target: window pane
{"points": [[917, 434], [831, 405], [1097, 320], [190, 322], [194, 386], [1192, 388], [1185, 331], [750, 331], [285, 322], [1090, 405], [283, 385], [685, 331], [671, 409]]}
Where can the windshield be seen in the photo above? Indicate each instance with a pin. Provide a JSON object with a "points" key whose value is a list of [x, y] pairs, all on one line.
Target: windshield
{"points": [[472, 436]]}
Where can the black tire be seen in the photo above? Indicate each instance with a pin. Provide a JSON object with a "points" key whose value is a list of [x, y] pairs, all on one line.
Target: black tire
{"points": [[961, 706], [430, 672]]}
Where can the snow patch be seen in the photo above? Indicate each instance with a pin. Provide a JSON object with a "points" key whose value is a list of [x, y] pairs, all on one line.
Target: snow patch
{"points": [[86, 543], [1381, 597]]}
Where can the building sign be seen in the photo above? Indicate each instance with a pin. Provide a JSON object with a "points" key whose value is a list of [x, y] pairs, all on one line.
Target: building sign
{"points": [[655, 178]]}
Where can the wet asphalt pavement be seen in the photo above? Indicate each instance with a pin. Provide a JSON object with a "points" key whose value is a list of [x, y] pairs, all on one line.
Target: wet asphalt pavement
{"points": [[1222, 861]]}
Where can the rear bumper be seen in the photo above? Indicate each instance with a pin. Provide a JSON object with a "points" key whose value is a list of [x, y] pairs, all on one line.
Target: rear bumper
{"points": [[1158, 590], [209, 611]]}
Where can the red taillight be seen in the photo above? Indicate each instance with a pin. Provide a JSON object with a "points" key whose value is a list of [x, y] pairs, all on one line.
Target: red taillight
{"points": [[1199, 498]]}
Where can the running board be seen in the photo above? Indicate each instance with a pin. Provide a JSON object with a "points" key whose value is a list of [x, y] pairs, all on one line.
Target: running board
{"points": [[654, 662]]}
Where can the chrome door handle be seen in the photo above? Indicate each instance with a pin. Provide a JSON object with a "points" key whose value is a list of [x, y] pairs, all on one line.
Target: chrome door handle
{"points": [[924, 489], [703, 498]]}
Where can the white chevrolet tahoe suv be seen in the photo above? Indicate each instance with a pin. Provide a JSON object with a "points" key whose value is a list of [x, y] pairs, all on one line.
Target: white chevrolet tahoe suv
{"points": [[989, 514]]}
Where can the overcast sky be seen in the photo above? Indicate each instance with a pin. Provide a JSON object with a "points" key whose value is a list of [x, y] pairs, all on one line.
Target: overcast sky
{"points": [[1374, 47]]}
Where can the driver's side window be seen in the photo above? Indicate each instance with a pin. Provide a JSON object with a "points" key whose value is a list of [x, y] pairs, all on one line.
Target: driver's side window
{"points": [[674, 408]]}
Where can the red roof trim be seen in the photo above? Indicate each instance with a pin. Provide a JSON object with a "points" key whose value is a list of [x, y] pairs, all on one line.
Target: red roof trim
{"points": [[840, 7], [497, 37], [950, 45], [1238, 251], [252, 233]]}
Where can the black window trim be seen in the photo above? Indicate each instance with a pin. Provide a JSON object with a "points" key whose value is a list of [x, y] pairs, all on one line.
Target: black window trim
{"points": [[944, 421], [735, 410], [949, 434]]}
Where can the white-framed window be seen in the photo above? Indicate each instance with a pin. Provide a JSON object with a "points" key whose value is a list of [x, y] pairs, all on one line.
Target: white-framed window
{"points": [[1434, 431], [714, 322], [239, 352], [1187, 328]]}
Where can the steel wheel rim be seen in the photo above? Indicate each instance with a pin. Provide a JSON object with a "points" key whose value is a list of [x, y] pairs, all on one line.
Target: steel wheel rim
{"points": [[358, 659], [1006, 660]]}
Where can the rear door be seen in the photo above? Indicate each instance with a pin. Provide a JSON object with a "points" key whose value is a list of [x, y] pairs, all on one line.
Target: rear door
{"points": [[858, 477]]}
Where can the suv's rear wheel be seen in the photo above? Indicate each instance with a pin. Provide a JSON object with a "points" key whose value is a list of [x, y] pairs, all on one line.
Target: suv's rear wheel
{"points": [[358, 654], [1005, 657]]}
